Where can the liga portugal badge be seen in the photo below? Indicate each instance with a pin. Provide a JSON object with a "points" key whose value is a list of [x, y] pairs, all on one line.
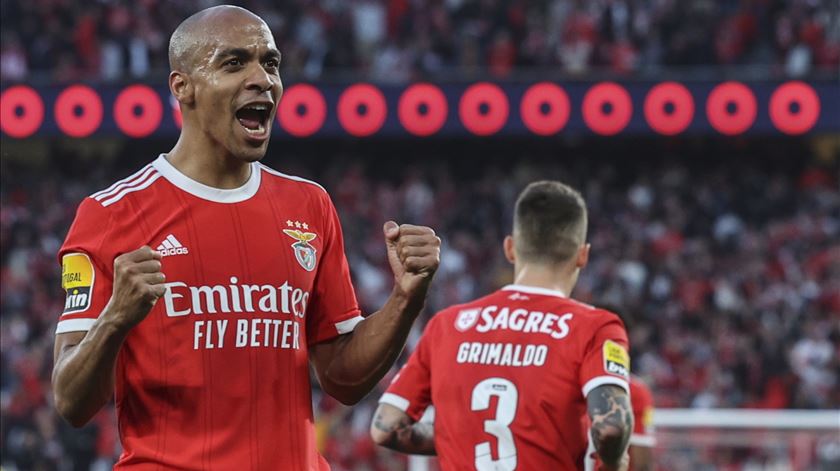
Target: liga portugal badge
{"points": [[304, 253]]}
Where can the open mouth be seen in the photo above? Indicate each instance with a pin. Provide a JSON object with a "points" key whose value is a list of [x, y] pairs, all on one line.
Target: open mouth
{"points": [[254, 118]]}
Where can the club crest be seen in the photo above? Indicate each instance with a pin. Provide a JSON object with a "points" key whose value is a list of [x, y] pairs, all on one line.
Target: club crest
{"points": [[466, 319], [304, 252]]}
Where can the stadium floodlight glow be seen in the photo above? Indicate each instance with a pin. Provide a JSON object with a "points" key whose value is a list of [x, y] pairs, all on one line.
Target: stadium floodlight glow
{"points": [[794, 108], [138, 111], [731, 108], [545, 108], [669, 108], [21, 111], [302, 110], [362, 109], [422, 109], [78, 111], [607, 108]]}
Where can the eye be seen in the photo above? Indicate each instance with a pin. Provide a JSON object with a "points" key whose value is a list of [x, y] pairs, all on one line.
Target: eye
{"points": [[235, 62], [272, 63]]}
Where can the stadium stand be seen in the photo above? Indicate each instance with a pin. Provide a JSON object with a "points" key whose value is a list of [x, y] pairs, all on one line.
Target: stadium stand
{"points": [[726, 256], [398, 40]]}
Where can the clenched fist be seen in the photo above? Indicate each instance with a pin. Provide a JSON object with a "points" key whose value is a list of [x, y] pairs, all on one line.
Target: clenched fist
{"points": [[138, 283], [414, 255]]}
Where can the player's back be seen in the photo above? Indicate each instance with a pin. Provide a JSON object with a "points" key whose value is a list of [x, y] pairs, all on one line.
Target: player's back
{"points": [[508, 377]]}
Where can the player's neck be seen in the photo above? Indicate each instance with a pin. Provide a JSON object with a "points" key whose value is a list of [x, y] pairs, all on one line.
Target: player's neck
{"points": [[208, 164], [547, 277]]}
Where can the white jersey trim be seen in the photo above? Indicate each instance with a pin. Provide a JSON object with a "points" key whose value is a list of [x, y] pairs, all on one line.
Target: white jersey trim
{"points": [[639, 439], [399, 402], [209, 193], [74, 325], [345, 327], [602, 380], [131, 189], [136, 176], [127, 187], [290, 177], [534, 290]]}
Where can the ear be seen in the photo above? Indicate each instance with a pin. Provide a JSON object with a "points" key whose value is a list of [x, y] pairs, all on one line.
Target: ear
{"points": [[510, 253], [181, 87], [582, 256]]}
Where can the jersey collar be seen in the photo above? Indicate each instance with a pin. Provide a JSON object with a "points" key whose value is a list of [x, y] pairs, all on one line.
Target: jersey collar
{"points": [[535, 290], [218, 195]]}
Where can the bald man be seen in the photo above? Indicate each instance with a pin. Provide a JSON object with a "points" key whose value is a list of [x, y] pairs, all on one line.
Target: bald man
{"points": [[200, 288]]}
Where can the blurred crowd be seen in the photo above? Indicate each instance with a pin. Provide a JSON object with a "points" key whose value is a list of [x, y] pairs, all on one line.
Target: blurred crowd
{"points": [[399, 40], [726, 259]]}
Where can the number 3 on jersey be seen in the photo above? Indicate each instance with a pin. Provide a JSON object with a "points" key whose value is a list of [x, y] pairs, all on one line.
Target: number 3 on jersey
{"points": [[499, 427]]}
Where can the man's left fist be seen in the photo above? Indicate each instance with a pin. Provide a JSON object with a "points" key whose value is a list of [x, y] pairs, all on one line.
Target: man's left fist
{"points": [[414, 255]]}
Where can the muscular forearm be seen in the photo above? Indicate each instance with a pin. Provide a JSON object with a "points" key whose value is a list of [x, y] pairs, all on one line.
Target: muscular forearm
{"points": [[83, 375], [392, 428], [353, 364]]}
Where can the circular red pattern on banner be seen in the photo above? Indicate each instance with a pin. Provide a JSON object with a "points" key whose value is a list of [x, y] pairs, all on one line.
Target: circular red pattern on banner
{"points": [[607, 108], [794, 108], [545, 108], [483, 109], [302, 110], [422, 109], [21, 111], [138, 111], [362, 109], [669, 108], [731, 108], [78, 111]]}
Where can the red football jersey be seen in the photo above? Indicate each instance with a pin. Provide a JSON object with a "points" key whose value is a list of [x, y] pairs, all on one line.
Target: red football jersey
{"points": [[217, 375], [642, 401], [508, 375]]}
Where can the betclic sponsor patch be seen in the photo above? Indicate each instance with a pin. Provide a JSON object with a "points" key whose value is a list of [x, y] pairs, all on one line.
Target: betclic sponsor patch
{"points": [[77, 278], [616, 359]]}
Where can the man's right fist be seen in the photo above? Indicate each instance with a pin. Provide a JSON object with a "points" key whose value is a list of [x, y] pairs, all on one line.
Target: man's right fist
{"points": [[138, 283]]}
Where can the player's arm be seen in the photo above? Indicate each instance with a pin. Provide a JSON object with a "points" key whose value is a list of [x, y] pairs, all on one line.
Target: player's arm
{"points": [[394, 429], [349, 366], [84, 362], [612, 423]]}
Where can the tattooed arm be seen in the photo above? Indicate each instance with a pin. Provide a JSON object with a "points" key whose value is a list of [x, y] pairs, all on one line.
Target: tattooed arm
{"points": [[394, 429], [612, 424]]}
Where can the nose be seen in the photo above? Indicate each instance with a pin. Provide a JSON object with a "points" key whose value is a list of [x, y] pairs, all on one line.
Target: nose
{"points": [[259, 79]]}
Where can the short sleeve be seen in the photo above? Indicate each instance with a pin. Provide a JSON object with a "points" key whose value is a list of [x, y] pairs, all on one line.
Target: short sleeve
{"points": [[411, 389], [86, 268], [642, 401], [333, 309], [605, 358]]}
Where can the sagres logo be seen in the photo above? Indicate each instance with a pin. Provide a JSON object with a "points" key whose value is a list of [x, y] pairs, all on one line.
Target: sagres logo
{"points": [[466, 319], [171, 246], [77, 278], [304, 252], [616, 359]]}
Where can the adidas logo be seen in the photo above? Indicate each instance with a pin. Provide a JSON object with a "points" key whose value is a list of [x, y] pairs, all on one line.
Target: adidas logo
{"points": [[171, 246]]}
